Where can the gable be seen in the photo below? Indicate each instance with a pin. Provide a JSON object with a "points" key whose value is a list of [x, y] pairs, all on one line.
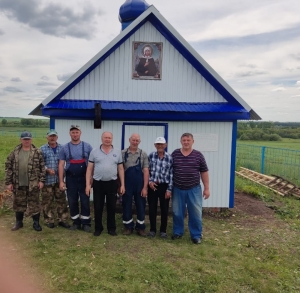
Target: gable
{"points": [[107, 76], [112, 79]]}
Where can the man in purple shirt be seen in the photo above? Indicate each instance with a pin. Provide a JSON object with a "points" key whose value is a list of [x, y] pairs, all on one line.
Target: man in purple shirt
{"points": [[188, 166]]}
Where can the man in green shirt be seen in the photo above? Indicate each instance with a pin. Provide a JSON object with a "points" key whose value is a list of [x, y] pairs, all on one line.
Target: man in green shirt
{"points": [[25, 176]]}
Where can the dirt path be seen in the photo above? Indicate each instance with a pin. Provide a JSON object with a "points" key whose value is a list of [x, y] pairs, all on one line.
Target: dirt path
{"points": [[17, 275]]}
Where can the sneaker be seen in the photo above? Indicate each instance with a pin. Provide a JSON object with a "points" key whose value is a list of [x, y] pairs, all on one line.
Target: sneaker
{"points": [[141, 233], [196, 241], [175, 236], [163, 235], [151, 234], [97, 232], [50, 225], [75, 227], [127, 232], [86, 228], [112, 233], [64, 225]]}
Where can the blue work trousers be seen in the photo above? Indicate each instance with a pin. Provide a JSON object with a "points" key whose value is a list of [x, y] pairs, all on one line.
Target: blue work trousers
{"points": [[192, 199], [76, 190]]}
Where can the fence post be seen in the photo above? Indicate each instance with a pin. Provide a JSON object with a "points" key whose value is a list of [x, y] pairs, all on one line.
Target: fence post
{"points": [[262, 166]]}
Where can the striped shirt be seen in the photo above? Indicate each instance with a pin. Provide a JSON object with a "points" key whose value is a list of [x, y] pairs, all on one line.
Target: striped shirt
{"points": [[51, 162], [161, 170], [187, 169]]}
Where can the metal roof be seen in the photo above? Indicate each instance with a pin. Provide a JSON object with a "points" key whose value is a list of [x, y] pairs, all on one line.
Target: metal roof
{"points": [[145, 106]]}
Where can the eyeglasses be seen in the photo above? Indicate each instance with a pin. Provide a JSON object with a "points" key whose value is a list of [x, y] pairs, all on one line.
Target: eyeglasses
{"points": [[74, 126]]}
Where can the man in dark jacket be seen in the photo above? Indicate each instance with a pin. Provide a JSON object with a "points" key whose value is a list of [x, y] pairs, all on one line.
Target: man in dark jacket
{"points": [[25, 176]]}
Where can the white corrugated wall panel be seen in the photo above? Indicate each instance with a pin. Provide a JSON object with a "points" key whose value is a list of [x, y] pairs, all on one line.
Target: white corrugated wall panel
{"points": [[111, 80], [219, 163]]}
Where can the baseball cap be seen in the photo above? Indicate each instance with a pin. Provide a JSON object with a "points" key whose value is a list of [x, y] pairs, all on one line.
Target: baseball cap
{"points": [[26, 135], [52, 132], [160, 140], [74, 127]]}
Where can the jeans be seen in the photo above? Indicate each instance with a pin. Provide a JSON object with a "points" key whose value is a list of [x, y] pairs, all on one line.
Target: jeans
{"points": [[192, 199], [75, 190]]}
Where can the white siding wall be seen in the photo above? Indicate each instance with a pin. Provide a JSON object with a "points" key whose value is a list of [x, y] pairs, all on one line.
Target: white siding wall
{"points": [[111, 80], [219, 163]]}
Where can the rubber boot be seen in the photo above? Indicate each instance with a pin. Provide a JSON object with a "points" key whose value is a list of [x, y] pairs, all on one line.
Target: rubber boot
{"points": [[36, 222], [19, 221]]}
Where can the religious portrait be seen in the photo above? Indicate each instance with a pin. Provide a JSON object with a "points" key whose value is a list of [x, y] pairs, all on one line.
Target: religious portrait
{"points": [[147, 60]]}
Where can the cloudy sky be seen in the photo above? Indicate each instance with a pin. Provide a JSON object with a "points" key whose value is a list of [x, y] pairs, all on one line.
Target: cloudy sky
{"points": [[254, 45]]}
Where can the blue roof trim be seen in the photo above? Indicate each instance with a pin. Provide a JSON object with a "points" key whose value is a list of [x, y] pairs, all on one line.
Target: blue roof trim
{"points": [[146, 106], [132, 115]]}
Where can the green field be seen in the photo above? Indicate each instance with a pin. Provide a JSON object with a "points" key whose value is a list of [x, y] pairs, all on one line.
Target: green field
{"points": [[285, 143], [36, 132]]}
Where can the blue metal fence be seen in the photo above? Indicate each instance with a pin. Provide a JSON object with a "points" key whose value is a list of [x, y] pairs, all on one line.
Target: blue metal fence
{"points": [[268, 160]]}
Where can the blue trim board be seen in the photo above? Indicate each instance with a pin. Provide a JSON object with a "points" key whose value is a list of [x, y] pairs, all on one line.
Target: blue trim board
{"points": [[145, 115], [232, 167], [52, 123]]}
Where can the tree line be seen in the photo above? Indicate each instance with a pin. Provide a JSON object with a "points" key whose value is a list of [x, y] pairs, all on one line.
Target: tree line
{"points": [[26, 122], [267, 130]]}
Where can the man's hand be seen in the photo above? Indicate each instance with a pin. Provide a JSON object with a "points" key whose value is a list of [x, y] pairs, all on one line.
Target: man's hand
{"points": [[62, 186], [144, 192], [206, 193], [41, 185], [153, 185], [168, 194], [88, 190], [10, 187], [122, 190], [50, 172]]}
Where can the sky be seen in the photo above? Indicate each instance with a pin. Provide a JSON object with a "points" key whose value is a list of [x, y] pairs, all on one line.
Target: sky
{"points": [[253, 45]]}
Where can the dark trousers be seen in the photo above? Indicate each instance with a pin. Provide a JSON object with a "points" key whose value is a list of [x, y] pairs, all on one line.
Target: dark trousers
{"points": [[153, 197], [102, 190], [75, 190]]}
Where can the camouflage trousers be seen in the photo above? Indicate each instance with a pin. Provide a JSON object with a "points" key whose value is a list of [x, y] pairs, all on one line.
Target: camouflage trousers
{"points": [[54, 200], [23, 200]]}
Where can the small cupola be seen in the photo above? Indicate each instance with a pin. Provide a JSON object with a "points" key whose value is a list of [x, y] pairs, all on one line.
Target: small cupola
{"points": [[131, 10]]}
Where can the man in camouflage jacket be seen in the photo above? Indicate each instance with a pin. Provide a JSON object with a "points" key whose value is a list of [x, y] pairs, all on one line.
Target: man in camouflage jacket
{"points": [[25, 176]]}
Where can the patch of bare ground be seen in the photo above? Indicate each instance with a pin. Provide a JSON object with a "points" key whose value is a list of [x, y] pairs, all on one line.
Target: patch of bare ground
{"points": [[249, 211]]}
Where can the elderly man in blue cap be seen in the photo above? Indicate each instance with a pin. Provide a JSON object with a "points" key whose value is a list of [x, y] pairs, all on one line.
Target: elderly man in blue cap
{"points": [[25, 177]]}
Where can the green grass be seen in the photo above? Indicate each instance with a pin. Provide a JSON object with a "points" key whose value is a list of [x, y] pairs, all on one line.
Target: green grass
{"points": [[232, 258], [286, 143], [235, 256]]}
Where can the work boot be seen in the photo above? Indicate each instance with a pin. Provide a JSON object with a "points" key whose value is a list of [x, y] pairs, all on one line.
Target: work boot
{"points": [[36, 222], [19, 221]]}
